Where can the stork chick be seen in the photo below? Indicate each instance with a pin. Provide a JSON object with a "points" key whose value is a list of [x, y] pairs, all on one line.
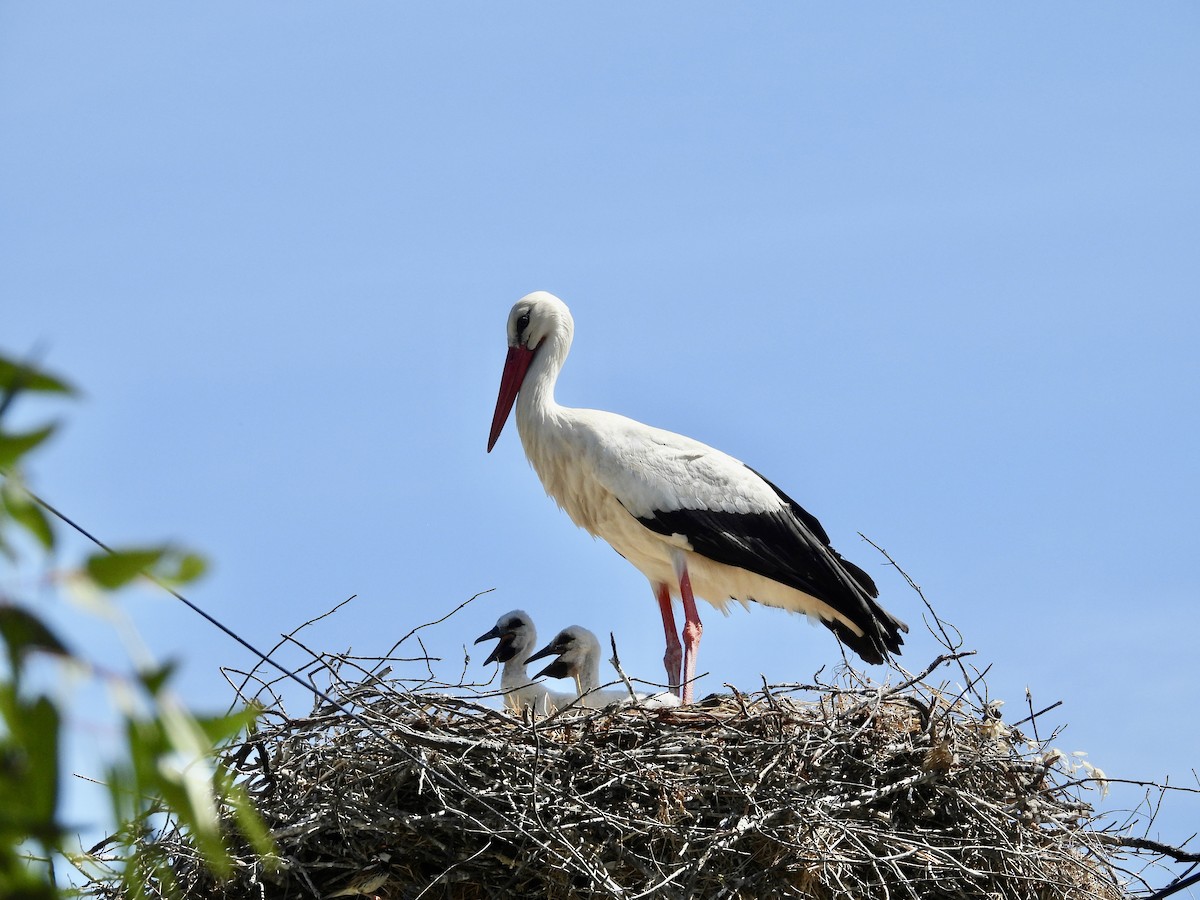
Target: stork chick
{"points": [[517, 637], [578, 652]]}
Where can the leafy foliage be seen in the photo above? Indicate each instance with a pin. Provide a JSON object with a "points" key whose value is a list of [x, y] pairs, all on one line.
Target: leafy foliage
{"points": [[16, 377], [167, 767]]}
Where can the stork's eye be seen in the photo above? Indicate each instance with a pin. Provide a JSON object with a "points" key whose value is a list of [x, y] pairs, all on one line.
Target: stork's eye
{"points": [[522, 323]]}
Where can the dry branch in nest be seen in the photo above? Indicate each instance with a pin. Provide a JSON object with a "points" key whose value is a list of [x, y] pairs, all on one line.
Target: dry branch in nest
{"points": [[845, 789]]}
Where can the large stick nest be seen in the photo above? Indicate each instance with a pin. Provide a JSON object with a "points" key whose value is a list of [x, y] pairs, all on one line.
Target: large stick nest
{"points": [[846, 790]]}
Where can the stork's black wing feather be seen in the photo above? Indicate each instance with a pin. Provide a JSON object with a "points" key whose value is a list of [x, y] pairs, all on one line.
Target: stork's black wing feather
{"points": [[790, 546]]}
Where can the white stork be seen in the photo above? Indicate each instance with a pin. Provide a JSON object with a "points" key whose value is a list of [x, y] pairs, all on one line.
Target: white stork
{"points": [[693, 520], [516, 638], [578, 657]]}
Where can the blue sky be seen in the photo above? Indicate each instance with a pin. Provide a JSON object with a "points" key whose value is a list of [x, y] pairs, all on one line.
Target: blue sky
{"points": [[931, 269]]}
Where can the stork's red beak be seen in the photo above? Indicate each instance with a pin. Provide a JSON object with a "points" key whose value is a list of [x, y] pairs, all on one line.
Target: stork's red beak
{"points": [[515, 367]]}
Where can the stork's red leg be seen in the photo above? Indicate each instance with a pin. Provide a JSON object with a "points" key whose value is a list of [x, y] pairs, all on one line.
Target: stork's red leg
{"points": [[692, 629], [674, 655]]}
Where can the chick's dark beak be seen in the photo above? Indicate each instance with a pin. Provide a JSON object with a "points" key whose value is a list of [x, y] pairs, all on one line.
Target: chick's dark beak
{"points": [[548, 650], [503, 651], [556, 669]]}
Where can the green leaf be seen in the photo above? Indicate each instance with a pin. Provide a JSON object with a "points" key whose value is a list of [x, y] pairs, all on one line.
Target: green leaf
{"points": [[39, 733], [26, 513], [22, 632], [16, 376], [14, 446], [191, 566], [29, 776], [172, 761], [155, 679], [113, 570], [20, 881], [251, 824], [221, 728], [122, 791]]}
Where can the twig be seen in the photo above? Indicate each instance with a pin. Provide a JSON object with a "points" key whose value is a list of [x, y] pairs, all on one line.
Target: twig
{"points": [[616, 664], [949, 644], [438, 621]]}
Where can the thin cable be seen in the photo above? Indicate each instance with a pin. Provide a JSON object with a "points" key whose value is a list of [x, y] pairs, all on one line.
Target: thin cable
{"points": [[212, 620], [433, 773], [1177, 885], [170, 590]]}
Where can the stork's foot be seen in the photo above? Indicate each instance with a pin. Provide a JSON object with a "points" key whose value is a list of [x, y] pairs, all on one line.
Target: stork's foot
{"points": [[673, 663]]}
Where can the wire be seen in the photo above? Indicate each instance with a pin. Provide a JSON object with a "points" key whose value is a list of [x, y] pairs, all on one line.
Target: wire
{"points": [[212, 620], [1177, 885]]}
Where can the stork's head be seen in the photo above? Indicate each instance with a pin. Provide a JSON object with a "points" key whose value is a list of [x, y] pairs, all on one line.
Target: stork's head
{"points": [[516, 634], [536, 320], [573, 646]]}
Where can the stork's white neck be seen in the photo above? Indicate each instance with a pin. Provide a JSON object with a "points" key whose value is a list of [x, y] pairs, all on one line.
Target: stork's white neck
{"points": [[536, 406], [514, 671], [514, 674], [589, 672]]}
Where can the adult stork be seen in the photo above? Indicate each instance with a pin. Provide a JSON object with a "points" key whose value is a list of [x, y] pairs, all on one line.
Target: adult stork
{"points": [[695, 521]]}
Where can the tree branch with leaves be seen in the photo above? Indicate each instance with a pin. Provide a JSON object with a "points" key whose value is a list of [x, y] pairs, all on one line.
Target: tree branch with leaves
{"points": [[166, 768]]}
